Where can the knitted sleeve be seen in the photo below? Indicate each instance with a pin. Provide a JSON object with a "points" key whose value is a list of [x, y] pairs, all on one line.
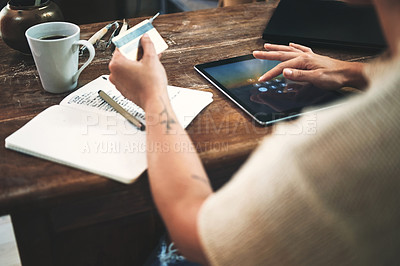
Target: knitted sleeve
{"points": [[326, 194]]}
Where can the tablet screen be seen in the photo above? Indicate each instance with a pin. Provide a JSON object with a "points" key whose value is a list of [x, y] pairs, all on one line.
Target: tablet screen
{"points": [[266, 102]]}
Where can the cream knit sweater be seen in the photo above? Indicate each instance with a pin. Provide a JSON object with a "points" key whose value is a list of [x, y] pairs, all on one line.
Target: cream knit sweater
{"points": [[327, 193]]}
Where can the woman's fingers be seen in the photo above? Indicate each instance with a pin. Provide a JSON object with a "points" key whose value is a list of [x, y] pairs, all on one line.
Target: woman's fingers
{"points": [[148, 47], [279, 56], [281, 52], [301, 75], [292, 47], [278, 47], [293, 63], [300, 47]]}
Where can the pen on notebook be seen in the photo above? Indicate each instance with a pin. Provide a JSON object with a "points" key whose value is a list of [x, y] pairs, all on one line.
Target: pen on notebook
{"points": [[121, 110]]}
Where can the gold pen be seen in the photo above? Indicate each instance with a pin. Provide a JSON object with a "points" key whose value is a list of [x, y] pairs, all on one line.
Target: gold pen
{"points": [[121, 110]]}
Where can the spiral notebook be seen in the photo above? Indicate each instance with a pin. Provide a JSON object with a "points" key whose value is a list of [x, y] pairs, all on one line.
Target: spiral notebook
{"points": [[84, 132]]}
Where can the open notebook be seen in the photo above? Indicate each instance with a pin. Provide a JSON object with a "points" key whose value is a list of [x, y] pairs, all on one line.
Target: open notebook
{"points": [[85, 132]]}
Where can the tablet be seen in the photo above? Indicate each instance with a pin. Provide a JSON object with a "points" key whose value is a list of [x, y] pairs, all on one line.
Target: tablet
{"points": [[266, 102]]}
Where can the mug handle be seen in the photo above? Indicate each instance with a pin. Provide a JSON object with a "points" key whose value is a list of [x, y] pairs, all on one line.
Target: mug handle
{"points": [[90, 48]]}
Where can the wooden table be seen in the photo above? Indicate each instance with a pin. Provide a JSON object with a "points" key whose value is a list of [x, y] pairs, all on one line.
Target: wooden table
{"points": [[63, 216]]}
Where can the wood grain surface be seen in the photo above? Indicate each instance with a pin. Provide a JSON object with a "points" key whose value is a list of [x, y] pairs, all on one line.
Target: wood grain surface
{"points": [[67, 199]]}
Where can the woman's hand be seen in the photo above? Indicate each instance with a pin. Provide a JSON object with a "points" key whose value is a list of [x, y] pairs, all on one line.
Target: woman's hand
{"points": [[300, 63], [140, 81]]}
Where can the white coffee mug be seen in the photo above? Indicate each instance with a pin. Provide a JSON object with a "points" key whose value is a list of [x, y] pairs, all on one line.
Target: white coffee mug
{"points": [[55, 49]]}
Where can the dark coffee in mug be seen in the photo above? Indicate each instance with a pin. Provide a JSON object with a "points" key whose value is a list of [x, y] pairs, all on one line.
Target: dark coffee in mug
{"points": [[53, 37], [55, 50]]}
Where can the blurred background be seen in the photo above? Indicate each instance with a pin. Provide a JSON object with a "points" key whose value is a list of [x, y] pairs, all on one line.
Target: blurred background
{"points": [[87, 11]]}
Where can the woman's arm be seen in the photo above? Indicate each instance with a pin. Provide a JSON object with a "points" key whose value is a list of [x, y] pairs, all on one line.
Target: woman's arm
{"points": [[178, 181]]}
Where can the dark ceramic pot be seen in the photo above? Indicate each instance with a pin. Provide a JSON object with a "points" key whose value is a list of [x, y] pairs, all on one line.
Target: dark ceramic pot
{"points": [[19, 15]]}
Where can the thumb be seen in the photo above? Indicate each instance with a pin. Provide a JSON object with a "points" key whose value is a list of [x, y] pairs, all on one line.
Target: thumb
{"points": [[148, 46], [118, 61], [297, 75], [118, 56]]}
